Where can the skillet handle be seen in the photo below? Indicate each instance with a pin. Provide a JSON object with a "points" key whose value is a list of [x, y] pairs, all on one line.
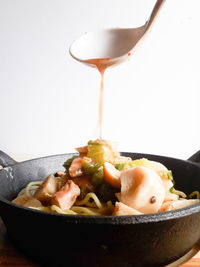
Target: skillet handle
{"points": [[5, 160], [195, 157]]}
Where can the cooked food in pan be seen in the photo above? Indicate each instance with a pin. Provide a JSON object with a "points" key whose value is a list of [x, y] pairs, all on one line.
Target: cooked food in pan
{"points": [[99, 181]]}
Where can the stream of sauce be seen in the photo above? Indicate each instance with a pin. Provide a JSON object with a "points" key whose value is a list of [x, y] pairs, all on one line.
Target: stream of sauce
{"points": [[101, 64]]}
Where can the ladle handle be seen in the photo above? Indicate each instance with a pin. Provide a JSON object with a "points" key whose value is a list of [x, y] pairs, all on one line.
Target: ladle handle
{"points": [[154, 13], [195, 157]]}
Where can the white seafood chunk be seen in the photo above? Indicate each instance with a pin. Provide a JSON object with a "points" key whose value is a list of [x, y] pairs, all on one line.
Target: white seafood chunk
{"points": [[27, 201], [122, 209], [159, 167], [178, 204], [142, 189]]}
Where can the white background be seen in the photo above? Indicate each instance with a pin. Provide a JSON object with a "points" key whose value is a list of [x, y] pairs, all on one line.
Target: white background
{"points": [[49, 102]]}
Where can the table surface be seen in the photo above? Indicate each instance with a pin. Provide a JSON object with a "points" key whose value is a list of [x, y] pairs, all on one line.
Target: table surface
{"points": [[9, 256]]}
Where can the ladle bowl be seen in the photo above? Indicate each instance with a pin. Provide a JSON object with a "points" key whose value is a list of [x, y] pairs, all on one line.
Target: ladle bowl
{"points": [[113, 44]]}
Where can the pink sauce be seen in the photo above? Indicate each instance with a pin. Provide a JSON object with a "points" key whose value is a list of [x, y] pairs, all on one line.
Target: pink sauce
{"points": [[101, 64]]}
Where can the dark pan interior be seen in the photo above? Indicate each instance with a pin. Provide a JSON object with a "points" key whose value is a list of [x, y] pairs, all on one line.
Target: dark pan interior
{"points": [[13, 179]]}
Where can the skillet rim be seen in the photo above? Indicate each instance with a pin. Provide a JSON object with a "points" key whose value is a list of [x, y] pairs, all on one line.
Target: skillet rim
{"points": [[120, 220]]}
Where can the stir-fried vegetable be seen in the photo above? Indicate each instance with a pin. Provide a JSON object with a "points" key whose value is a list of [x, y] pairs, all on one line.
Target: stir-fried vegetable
{"points": [[101, 151], [89, 166], [166, 174], [138, 162], [119, 166], [97, 177], [68, 163]]}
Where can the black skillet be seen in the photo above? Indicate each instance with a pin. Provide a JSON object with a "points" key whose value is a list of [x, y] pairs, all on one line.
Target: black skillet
{"points": [[69, 240]]}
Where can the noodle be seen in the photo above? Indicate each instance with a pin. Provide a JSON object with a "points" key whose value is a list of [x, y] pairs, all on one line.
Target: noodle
{"points": [[92, 208], [180, 193], [85, 211], [90, 205], [195, 193], [58, 210], [177, 192], [27, 189], [41, 208], [89, 196]]}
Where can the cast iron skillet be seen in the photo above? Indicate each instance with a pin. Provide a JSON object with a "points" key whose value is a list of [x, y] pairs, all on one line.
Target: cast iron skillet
{"points": [[70, 240]]}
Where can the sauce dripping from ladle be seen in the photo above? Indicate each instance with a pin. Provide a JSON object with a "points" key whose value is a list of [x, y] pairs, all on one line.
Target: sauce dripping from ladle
{"points": [[104, 48], [101, 64]]}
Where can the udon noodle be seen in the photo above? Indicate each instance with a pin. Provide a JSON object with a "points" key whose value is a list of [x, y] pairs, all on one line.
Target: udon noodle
{"points": [[89, 205]]}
